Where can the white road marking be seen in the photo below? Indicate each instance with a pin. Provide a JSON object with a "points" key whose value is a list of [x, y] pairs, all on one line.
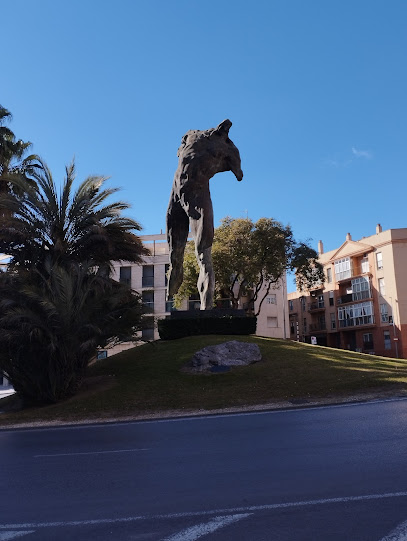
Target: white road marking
{"points": [[195, 532], [95, 452], [249, 509], [5, 536], [398, 534]]}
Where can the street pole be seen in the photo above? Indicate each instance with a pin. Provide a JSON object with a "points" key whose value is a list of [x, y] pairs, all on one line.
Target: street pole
{"points": [[395, 337]]}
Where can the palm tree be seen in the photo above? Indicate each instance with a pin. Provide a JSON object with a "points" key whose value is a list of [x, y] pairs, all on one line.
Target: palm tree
{"points": [[58, 301], [50, 326], [73, 227], [12, 151]]}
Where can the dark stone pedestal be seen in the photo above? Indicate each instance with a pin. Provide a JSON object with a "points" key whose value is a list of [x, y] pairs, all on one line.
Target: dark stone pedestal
{"points": [[200, 314], [194, 322]]}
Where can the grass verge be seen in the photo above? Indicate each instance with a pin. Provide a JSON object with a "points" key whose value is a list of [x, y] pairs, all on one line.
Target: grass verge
{"points": [[147, 379]]}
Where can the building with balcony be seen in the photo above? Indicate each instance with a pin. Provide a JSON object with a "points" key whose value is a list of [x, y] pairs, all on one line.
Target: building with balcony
{"points": [[150, 279], [362, 306]]}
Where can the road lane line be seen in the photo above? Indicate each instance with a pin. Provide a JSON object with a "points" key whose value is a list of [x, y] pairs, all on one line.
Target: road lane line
{"points": [[398, 534], [195, 532], [211, 512], [95, 452], [6, 536]]}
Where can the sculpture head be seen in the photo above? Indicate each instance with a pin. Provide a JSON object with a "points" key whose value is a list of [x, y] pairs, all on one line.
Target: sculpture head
{"points": [[225, 150], [211, 150]]}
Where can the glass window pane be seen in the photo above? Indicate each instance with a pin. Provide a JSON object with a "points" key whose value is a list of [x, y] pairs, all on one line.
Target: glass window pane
{"points": [[125, 275]]}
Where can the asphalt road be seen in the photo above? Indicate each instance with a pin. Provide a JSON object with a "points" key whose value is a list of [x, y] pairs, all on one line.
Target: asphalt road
{"points": [[332, 473]]}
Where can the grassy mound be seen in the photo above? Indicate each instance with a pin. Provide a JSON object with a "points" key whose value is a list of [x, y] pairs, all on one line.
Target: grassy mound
{"points": [[148, 379]]}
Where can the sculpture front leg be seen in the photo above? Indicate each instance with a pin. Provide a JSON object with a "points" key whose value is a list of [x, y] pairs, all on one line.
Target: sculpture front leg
{"points": [[206, 279], [177, 235]]}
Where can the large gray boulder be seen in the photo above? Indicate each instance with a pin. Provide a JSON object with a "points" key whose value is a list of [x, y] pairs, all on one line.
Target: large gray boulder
{"points": [[228, 354]]}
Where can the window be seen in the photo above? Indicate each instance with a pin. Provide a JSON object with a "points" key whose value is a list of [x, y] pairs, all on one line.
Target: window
{"points": [[365, 265], [343, 268], [329, 275], [148, 334], [387, 340], [379, 260], [148, 299], [272, 322], [368, 340], [331, 298], [305, 324], [321, 322], [291, 305], [166, 269], [321, 301], [125, 275], [303, 304], [333, 322], [356, 314], [360, 289], [148, 276], [384, 313], [292, 327], [382, 287], [271, 299], [169, 306]]}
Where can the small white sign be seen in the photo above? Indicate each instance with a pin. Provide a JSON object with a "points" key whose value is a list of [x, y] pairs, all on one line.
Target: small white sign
{"points": [[314, 340]]}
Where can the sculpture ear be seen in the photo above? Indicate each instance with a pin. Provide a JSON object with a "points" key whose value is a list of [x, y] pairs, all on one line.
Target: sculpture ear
{"points": [[224, 127]]}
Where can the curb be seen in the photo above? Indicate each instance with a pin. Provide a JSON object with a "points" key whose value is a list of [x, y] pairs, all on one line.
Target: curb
{"points": [[180, 414]]}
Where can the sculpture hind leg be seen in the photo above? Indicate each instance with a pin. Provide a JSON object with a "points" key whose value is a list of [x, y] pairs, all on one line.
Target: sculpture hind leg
{"points": [[203, 231], [177, 235]]}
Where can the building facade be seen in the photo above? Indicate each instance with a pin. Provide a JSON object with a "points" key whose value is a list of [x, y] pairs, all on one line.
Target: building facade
{"points": [[150, 279], [362, 306]]}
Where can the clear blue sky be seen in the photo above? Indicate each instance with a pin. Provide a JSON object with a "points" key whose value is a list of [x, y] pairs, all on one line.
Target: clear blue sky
{"points": [[316, 91]]}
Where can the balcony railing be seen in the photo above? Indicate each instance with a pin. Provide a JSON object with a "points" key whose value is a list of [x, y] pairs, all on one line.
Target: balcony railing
{"points": [[354, 297], [343, 299], [194, 305], [317, 327], [312, 306]]}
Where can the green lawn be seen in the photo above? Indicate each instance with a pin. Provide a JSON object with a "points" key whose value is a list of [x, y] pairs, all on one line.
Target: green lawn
{"points": [[147, 379]]}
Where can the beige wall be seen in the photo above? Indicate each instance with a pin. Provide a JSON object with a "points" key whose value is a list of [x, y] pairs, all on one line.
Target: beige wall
{"points": [[272, 320]]}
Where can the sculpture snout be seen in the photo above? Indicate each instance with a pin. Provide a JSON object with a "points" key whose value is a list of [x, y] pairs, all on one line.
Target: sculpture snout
{"points": [[238, 174]]}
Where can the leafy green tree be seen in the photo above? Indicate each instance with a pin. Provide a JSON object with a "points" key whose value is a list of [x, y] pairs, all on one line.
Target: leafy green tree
{"points": [[250, 259], [191, 274], [51, 325]]}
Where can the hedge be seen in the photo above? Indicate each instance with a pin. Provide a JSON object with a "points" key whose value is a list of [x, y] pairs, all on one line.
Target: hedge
{"points": [[170, 329]]}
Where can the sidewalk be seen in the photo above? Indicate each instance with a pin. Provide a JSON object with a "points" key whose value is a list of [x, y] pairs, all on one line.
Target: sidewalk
{"points": [[6, 391]]}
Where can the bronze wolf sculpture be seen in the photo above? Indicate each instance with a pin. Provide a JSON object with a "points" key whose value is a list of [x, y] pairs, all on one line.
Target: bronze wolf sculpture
{"points": [[201, 155]]}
